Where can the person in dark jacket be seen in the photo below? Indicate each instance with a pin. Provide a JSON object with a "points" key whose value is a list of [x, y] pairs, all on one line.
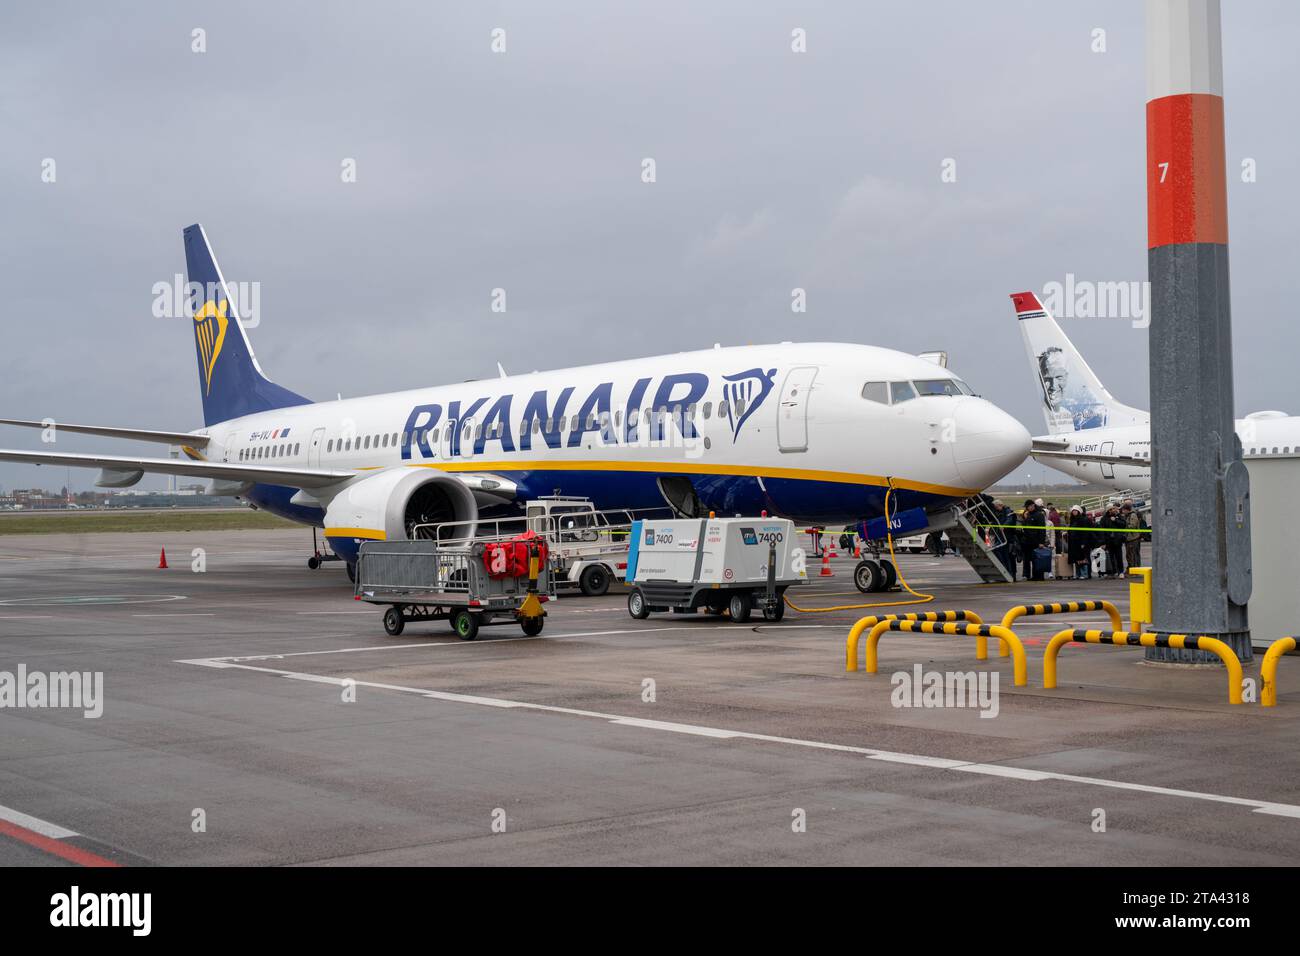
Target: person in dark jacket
{"points": [[1132, 540], [1033, 534], [1113, 540], [1079, 543], [1003, 536]]}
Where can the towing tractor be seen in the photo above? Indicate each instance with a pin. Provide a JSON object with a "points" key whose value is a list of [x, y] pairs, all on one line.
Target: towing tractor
{"points": [[732, 566]]}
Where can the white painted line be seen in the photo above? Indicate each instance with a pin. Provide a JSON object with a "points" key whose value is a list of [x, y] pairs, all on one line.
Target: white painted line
{"points": [[375, 613], [487, 641], [1000, 770], [36, 825], [921, 760], [26, 617], [197, 614]]}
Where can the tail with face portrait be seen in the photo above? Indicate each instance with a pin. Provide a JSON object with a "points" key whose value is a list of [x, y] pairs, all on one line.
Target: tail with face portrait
{"points": [[1073, 397]]}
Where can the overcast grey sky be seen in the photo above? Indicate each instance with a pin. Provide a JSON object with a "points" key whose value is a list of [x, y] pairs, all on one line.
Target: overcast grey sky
{"points": [[522, 170]]}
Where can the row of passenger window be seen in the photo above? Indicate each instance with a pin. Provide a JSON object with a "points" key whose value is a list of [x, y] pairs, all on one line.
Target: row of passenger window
{"points": [[891, 393], [260, 452], [563, 423]]}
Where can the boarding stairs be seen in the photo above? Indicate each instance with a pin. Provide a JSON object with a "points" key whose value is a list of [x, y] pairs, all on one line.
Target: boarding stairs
{"points": [[971, 519], [1141, 502]]}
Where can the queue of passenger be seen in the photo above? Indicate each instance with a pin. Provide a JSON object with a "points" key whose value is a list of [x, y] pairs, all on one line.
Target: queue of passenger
{"points": [[1040, 542]]}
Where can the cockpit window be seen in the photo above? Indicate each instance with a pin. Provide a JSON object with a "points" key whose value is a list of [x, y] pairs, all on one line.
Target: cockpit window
{"points": [[938, 386], [901, 391], [876, 392]]}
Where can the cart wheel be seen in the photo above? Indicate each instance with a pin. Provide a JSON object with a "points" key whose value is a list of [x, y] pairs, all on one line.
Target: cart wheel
{"points": [[594, 580], [776, 612], [393, 621], [465, 625], [636, 605], [313, 562], [352, 572], [742, 602], [532, 625], [891, 574], [868, 577]]}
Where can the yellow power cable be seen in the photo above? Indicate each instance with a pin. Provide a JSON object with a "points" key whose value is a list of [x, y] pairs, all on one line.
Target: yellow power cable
{"points": [[889, 537]]}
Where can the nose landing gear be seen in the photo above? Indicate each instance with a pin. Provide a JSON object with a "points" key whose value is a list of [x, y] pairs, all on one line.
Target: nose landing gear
{"points": [[872, 575]]}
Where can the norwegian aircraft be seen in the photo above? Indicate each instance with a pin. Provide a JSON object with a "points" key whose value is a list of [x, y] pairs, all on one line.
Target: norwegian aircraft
{"points": [[814, 432], [1096, 438]]}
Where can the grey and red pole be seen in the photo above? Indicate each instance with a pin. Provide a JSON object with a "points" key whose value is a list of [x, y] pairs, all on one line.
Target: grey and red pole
{"points": [[1201, 573]]}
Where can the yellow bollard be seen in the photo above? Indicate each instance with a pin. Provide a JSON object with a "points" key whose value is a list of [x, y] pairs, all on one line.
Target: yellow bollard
{"points": [[871, 620], [1020, 666], [1139, 598], [1129, 638], [1268, 669]]}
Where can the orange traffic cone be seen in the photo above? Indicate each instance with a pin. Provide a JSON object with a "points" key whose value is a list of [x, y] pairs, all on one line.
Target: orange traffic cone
{"points": [[857, 549], [162, 558], [826, 566], [831, 549]]}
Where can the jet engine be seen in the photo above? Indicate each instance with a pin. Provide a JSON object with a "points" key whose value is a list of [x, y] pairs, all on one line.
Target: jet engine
{"points": [[397, 502]]}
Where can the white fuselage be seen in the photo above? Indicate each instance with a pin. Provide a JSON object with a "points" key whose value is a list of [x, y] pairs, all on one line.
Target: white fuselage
{"points": [[1259, 437], [791, 416]]}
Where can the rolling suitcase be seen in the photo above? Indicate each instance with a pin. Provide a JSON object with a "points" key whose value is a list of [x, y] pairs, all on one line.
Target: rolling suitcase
{"points": [[1042, 562], [1063, 569]]}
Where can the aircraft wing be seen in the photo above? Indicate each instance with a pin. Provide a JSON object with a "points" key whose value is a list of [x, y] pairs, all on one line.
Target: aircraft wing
{"points": [[1060, 450], [227, 471], [133, 434]]}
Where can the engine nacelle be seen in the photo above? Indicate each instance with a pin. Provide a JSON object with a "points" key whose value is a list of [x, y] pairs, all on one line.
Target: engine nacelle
{"points": [[392, 503]]}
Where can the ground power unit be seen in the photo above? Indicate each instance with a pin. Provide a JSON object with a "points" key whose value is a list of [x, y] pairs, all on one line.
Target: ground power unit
{"points": [[723, 565]]}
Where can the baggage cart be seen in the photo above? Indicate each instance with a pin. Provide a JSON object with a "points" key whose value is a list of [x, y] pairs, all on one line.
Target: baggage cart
{"points": [[423, 580]]}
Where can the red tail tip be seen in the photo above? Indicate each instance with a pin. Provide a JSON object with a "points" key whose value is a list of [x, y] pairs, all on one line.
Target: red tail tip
{"points": [[1026, 302]]}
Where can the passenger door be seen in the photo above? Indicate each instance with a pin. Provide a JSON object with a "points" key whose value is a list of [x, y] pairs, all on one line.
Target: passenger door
{"points": [[1108, 468], [314, 449], [792, 413]]}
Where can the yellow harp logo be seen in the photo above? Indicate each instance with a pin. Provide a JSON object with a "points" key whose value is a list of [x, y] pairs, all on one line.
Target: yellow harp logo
{"points": [[210, 332]]}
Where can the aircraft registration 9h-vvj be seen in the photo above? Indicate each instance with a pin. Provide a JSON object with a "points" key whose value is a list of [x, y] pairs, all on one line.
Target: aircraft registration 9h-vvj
{"points": [[813, 432]]}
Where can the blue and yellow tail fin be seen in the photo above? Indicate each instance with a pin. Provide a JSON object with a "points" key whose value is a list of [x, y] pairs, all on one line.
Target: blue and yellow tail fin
{"points": [[230, 380]]}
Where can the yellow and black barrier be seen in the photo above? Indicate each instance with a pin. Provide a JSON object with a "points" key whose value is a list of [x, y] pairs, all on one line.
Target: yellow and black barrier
{"points": [[981, 631], [1190, 642], [1063, 607], [871, 620], [1268, 669]]}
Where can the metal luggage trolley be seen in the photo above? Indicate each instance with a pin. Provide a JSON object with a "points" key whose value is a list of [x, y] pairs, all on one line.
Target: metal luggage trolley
{"points": [[423, 580]]}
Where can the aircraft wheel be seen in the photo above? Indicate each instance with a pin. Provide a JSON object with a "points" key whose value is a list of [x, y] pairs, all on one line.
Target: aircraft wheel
{"points": [[891, 574], [867, 576]]}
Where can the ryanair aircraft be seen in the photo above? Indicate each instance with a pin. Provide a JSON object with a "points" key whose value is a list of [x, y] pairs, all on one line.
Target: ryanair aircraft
{"points": [[813, 432], [1096, 438]]}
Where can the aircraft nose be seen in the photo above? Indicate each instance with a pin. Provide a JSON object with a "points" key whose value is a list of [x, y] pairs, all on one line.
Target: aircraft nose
{"points": [[987, 442]]}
